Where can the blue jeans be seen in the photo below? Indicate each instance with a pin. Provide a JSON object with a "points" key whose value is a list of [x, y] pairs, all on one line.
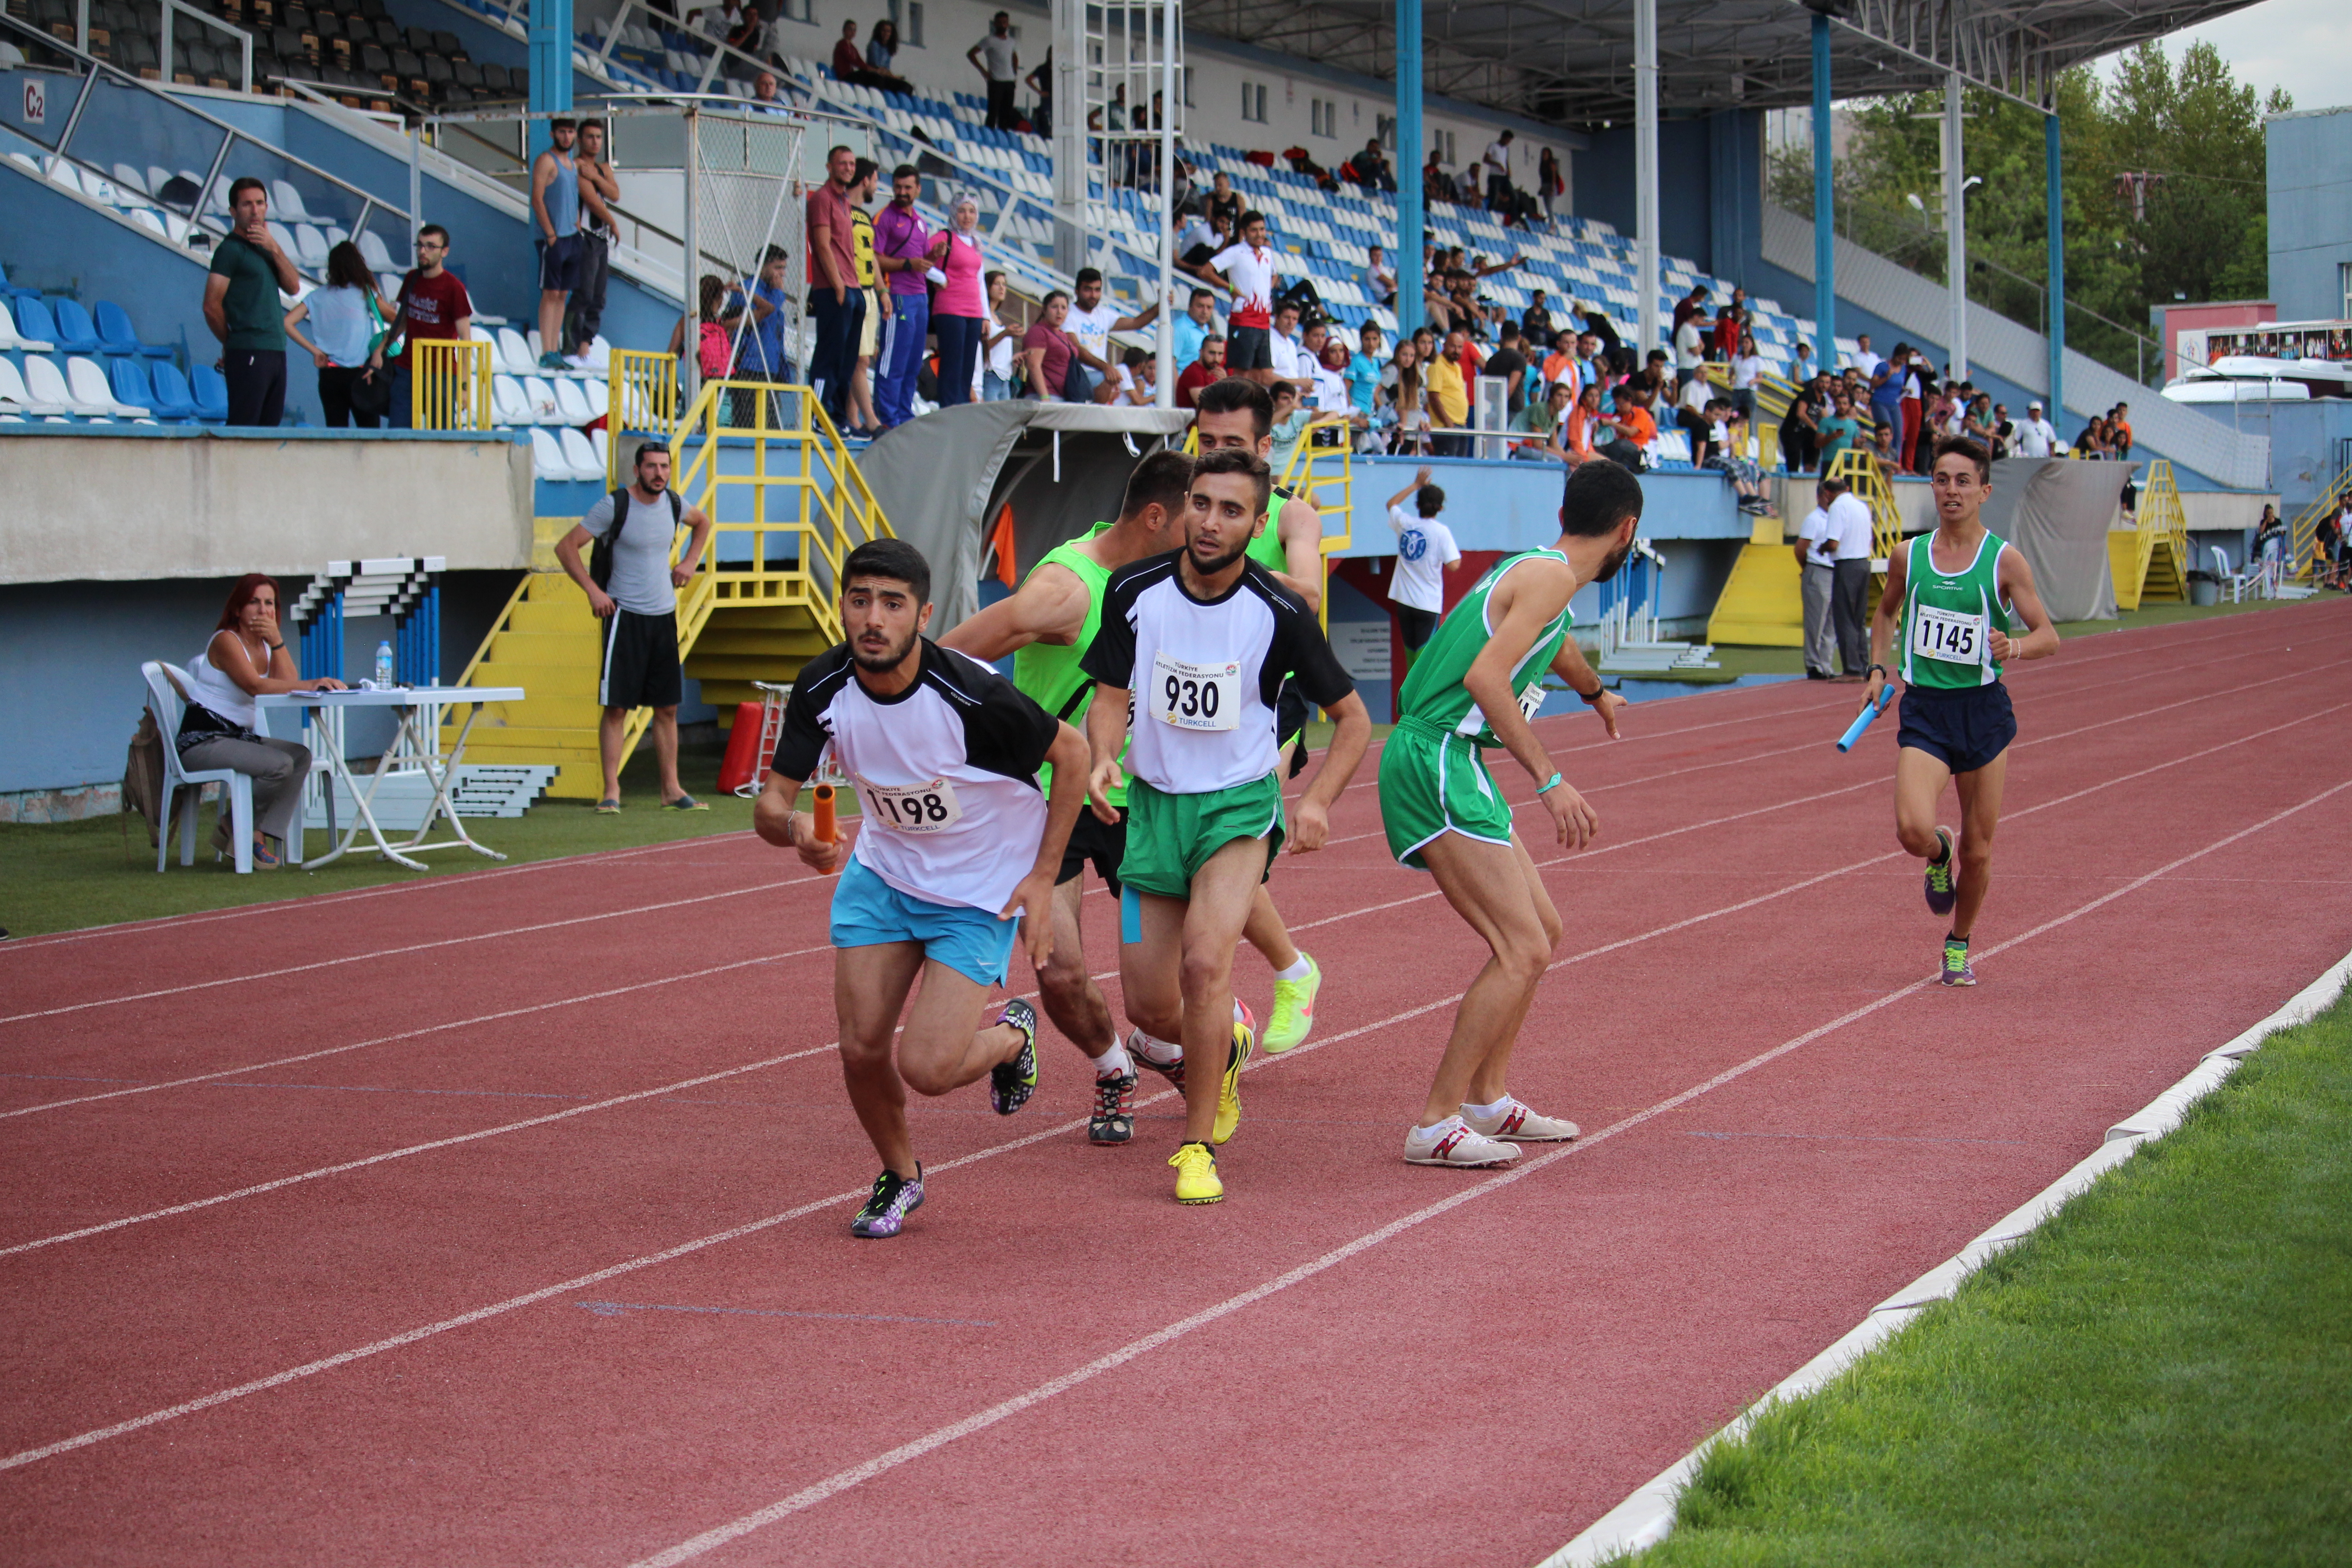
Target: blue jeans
{"points": [[994, 388], [959, 354], [901, 357], [834, 362]]}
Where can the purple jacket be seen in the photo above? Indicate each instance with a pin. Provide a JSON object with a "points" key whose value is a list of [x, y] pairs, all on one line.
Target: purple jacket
{"points": [[902, 234]]}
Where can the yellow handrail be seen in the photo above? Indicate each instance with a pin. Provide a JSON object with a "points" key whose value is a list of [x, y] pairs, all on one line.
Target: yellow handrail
{"points": [[2161, 519], [449, 384], [1324, 478], [1859, 469], [2304, 533], [641, 400], [1773, 393]]}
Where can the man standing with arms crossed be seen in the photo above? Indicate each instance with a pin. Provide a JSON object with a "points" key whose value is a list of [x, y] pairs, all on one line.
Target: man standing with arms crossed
{"points": [[834, 298], [1047, 625], [1201, 639], [598, 188], [957, 841], [638, 601], [1475, 686], [1958, 596]]}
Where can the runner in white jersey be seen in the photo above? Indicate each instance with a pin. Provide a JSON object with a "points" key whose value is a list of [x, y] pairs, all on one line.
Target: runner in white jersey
{"points": [[943, 754], [1203, 638]]}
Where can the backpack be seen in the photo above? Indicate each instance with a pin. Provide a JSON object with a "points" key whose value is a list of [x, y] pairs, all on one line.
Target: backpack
{"points": [[600, 551], [713, 351]]}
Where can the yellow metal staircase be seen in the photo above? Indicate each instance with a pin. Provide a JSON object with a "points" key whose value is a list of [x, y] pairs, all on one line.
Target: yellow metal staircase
{"points": [[787, 503], [2150, 564]]}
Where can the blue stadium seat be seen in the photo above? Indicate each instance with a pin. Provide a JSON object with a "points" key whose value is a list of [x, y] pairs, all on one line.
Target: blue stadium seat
{"points": [[171, 398], [211, 394], [114, 329], [77, 333], [131, 385], [33, 318], [11, 292]]}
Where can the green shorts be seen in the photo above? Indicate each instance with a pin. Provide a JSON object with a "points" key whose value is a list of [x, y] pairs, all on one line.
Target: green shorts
{"points": [[1433, 782], [1170, 837]]}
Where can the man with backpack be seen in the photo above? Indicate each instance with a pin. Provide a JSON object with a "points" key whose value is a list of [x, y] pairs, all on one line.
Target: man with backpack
{"points": [[633, 588]]}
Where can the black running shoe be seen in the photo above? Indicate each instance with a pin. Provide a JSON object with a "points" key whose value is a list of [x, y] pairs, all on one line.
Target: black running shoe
{"points": [[1114, 1117], [886, 1211], [1010, 1084]]}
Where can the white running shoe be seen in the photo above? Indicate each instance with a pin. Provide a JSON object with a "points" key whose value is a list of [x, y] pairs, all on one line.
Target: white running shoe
{"points": [[1451, 1143], [1518, 1124]]}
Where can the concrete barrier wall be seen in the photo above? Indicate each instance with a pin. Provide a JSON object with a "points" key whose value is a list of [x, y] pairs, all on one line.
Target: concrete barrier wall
{"points": [[132, 504]]}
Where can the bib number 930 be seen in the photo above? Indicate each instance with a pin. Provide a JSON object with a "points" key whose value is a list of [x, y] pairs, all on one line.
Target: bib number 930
{"points": [[915, 808], [1196, 696]]}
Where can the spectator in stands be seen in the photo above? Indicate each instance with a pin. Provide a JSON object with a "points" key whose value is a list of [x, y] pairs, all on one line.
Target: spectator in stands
{"points": [[1692, 307], [1209, 366], [1977, 424], [2093, 442], [637, 602], [1576, 432], [1549, 185], [1133, 379], [1918, 384], [347, 317], [1800, 428], [718, 23], [1041, 82], [1634, 427], [1447, 397], [1690, 352], [1290, 416], [1329, 367], [902, 246], [1541, 421], [1730, 327], [1728, 455], [849, 65], [1865, 359], [555, 208], [761, 355], [864, 176], [1381, 276], [1049, 357], [1436, 184], [1747, 371], [1195, 327], [1882, 445], [1886, 389], [1841, 430], [834, 295], [763, 95], [245, 658], [1509, 361], [1246, 271], [1224, 201], [965, 321], [998, 61], [752, 34], [249, 271], [2035, 436], [1091, 322], [1692, 412], [2119, 428], [1535, 323], [600, 189], [881, 48], [1284, 345], [1372, 171], [1000, 339], [1801, 364], [712, 344], [1397, 404], [1468, 191], [433, 306], [1364, 369], [2004, 432]]}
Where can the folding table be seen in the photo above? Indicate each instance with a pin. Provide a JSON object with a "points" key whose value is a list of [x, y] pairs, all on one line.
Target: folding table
{"points": [[416, 744]]}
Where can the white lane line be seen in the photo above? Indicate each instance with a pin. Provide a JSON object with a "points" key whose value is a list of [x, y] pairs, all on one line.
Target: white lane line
{"points": [[940, 1438], [411, 947], [417, 1033], [514, 1303]]}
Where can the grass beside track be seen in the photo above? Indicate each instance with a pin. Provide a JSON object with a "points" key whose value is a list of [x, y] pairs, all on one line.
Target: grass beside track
{"points": [[2159, 1375]]}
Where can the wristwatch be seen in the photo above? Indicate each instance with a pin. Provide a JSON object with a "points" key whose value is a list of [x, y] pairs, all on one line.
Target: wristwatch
{"points": [[1595, 695]]}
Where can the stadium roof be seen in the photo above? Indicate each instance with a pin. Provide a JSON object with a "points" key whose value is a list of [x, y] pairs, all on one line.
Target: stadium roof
{"points": [[1570, 62]]}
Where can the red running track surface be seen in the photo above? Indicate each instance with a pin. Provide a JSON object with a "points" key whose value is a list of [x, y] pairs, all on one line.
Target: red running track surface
{"points": [[503, 1217]]}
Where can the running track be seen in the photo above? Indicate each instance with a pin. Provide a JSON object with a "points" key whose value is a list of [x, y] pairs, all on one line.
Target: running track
{"points": [[502, 1217]]}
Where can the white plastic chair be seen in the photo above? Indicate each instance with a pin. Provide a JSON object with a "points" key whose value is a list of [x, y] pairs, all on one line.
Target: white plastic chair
{"points": [[157, 177], [2233, 582], [571, 403], [514, 355], [579, 456], [601, 444], [165, 684], [146, 218], [507, 404], [286, 202], [547, 456], [541, 393], [62, 174], [379, 260], [131, 179], [283, 237], [90, 388], [310, 247], [600, 398], [48, 394]]}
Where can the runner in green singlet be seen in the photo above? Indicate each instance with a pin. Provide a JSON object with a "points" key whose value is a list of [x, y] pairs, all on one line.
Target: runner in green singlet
{"points": [[1047, 625], [1238, 413], [1477, 683], [1958, 596]]}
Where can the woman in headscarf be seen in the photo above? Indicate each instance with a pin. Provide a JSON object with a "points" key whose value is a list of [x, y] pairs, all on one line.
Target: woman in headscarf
{"points": [[960, 314]]}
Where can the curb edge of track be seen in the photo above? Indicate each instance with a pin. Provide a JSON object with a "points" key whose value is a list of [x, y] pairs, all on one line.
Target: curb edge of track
{"points": [[1646, 1517]]}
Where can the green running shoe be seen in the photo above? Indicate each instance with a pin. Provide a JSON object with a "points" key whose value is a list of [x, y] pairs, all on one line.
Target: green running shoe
{"points": [[1010, 1084], [1294, 1010], [1940, 875], [1956, 963]]}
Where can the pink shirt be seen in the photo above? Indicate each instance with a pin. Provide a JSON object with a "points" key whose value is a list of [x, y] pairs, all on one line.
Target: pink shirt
{"points": [[961, 295]]}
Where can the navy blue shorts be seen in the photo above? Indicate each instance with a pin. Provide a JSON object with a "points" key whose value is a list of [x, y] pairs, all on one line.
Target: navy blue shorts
{"points": [[1964, 728]]}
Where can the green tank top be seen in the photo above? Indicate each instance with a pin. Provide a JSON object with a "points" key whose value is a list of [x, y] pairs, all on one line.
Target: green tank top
{"points": [[1949, 618], [1434, 696], [1267, 548], [1048, 673]]}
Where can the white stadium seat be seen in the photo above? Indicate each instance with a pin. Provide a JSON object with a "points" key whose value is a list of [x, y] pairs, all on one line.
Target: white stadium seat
{"points": [[600, 397], [14, 394], [572, 404], [601, 444], [507, 404], [9, 340], [547, 456], [379, 260], [580, 455], [310, 247], [90, 390], [47, 383], [515, 357], [131, 179], [540, 393], [286, 203]]}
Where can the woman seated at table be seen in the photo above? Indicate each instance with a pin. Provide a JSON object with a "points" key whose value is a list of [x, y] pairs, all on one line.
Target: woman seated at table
{"points": [[247, 658]]}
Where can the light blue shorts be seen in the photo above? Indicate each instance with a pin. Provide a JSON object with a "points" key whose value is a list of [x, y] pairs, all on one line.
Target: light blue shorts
{"points": [[869, 911]]}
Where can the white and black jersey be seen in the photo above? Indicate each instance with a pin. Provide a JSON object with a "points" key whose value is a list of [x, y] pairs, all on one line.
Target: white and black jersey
{"points": [[946, 772], [1205, 673]]}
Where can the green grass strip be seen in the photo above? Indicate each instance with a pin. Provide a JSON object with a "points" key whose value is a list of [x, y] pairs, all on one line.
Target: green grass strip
{"points": [[2162, 1374]]}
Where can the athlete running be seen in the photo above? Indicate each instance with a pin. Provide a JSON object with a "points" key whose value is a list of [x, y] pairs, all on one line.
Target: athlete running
{"points": [[1235, 414], [1477, 684], [1202, 637], [1959, 594], [1047, 625], [944, 754]]}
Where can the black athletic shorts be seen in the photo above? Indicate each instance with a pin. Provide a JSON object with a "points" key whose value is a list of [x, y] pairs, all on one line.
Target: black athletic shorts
{"points": [[1963, 729], [640, 666], [1093, 840], [1418, 625], [1249, 348]]}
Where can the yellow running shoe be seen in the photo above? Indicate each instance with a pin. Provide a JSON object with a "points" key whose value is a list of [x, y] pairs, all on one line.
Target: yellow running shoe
{"points": [[1196, 1175], [1229, 1092], [1294, 1009]]}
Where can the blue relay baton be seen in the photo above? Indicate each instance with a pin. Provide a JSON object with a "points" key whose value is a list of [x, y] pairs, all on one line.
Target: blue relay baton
{"points": [[1861, 720]]}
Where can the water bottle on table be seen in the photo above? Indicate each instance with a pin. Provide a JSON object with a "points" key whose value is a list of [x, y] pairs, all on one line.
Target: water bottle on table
{"points": [[383, 666]]}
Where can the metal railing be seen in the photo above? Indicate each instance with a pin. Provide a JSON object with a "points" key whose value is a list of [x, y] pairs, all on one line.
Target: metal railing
{"points": [[642, 400], [2162, 521], [449, 384], [1773, 395], [1860, 469], [2303, 536]]}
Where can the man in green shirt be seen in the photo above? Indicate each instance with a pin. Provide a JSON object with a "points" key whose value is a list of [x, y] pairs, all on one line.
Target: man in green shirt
{"points": [[1477, 685], [241, 306]]}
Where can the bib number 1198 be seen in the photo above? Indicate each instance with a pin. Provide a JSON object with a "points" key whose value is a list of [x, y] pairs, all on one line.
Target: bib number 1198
{"points": [[921, 808]]}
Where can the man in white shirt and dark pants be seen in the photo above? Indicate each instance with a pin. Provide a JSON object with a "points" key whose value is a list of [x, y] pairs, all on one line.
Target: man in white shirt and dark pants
{"points": [[1848, 534], [2035, 436], [999, 63], [1425, 551], [1817, 575]]}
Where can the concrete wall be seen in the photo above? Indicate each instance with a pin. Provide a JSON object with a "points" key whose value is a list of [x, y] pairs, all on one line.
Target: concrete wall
{"points": [[126, 504], [2310, 160]]}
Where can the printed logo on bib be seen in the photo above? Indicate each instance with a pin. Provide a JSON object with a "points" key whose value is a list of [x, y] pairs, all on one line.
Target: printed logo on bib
{"points": [[1196, 696], [1947, 636], [914, 808], [1530, 700]]}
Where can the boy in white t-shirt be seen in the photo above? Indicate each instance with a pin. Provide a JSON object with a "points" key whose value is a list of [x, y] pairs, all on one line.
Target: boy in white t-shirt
{"points": [[1246, 269], [1425, 552]]}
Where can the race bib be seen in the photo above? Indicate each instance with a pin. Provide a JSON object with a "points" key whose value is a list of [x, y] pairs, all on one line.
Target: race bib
{"points": [[1530, 700], [1196, 696], [1945, 635], [915, 808]]}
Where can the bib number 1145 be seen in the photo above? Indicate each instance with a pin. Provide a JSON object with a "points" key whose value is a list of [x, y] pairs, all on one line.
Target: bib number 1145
{"points": [[1196, 696], [1944, 635]]}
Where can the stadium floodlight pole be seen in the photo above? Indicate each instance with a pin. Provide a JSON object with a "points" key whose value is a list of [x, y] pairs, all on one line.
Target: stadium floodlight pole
{"points": [[1645, 172], [1410, 154], [1824, 212], [1956, 229], [1163, 351], [2055, 223], [689, 363], [1071, 77], [551, 70]]}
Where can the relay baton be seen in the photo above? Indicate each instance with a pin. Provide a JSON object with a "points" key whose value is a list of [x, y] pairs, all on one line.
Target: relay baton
{"points": [[823, 815], [1861, 720]]}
